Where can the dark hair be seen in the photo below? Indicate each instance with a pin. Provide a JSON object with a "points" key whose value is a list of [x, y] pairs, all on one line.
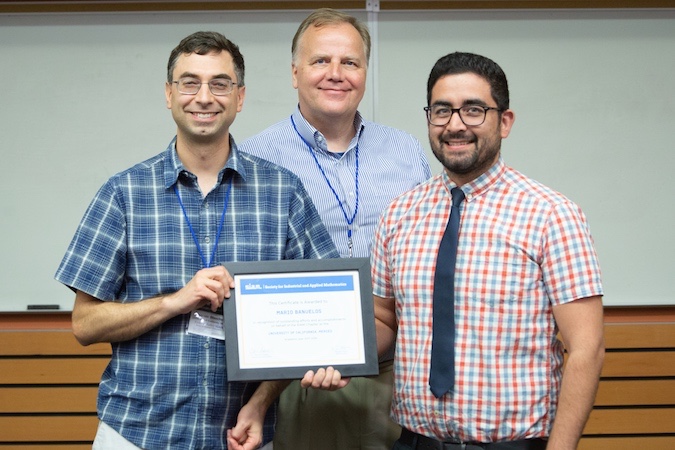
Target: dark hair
{"points": [[458, 62], [203, 43], [327, 16]]}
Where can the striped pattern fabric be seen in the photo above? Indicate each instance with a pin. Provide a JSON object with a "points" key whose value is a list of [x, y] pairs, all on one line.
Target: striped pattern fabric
{"points": [[390, 163], [522, 249], [167, 389]]}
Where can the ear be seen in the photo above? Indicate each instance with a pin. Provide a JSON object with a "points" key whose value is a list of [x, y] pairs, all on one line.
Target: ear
{"points": [[507, 119], [168, 93], [241, 93], [294, 74]]}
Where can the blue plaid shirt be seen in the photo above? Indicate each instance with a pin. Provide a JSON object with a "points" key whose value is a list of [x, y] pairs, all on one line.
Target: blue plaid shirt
{"points": [[167, 389]]}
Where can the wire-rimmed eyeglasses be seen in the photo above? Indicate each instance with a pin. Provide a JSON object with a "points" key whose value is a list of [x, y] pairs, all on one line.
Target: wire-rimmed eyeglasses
{"points": [[217, 86], [470, 115]]}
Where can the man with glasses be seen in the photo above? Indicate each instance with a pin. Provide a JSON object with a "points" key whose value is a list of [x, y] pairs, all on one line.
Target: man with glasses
{"points": [[488, 372], [352, 168], [145, 267]]}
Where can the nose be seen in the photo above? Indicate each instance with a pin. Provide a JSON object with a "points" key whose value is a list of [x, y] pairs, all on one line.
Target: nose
{"points": [[335, 71], [204, 94], [455, 123]]}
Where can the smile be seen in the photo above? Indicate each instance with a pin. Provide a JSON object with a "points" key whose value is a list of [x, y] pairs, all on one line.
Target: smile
{"points": [[457, 140], [334, 90], [458, 143], [204, 115]]}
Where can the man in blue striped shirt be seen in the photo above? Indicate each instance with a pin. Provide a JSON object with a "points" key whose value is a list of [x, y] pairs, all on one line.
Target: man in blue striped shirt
{"points": [[144, 264], [352, 169]]}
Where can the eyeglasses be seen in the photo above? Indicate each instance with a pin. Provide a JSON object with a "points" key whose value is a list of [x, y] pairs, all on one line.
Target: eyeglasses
{"points": [[217, 86], [470, 115]]}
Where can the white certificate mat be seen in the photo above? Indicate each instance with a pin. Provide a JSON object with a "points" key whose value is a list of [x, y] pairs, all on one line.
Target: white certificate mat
{"points": [[287, 317]]}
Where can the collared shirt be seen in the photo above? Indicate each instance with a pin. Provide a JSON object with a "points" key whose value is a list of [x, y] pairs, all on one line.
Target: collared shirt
{"points": [[390, 162], [523, 248], [167, 389]]}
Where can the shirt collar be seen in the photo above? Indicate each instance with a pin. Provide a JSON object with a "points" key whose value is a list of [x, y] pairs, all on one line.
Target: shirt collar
{"points": [[314, 136], [481, 184], [173, 166]]}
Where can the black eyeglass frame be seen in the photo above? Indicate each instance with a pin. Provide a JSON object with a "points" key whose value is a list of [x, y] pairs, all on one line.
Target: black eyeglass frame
{"points": [[427, 110]]}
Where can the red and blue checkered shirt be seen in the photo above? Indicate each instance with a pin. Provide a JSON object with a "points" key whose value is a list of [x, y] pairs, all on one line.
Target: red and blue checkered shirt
{"points": [[523, 248]]}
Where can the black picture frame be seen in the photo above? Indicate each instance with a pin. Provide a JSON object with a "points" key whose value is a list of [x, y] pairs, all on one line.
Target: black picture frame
{"points": [[235, 321]]}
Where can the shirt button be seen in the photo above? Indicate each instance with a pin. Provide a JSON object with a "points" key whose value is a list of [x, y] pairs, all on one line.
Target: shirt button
{"points": [[206, 345], [204, 382], [207, 239]]}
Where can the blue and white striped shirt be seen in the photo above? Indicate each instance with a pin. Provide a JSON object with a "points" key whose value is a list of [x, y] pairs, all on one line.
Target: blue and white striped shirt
{"points": [[390, 162], [167, 389]]}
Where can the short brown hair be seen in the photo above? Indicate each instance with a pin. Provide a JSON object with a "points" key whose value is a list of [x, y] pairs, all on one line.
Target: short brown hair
{"points": [[328, 16], [203, 43]]}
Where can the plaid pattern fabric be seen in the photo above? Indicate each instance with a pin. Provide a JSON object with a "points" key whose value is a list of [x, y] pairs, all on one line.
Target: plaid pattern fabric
{"points": [[167, 389], [522, 249], [383, 151]]}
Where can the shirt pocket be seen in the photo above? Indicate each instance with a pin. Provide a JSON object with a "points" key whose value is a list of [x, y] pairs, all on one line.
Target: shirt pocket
{"points": [[253, 246]]}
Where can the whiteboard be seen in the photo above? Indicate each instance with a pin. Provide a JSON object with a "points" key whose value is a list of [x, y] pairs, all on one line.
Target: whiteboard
{"points": [[594, 98], [592, 93]]}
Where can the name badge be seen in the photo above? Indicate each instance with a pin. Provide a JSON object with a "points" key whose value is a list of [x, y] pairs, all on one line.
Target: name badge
{"points": [[207, 323]]}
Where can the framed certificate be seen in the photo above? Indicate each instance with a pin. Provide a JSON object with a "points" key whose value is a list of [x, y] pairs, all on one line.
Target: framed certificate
{"points": [[287, 317]]}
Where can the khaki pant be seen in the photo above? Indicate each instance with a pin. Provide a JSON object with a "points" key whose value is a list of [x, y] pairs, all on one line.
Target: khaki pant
{"points": [[355, 417], [107, 438]]}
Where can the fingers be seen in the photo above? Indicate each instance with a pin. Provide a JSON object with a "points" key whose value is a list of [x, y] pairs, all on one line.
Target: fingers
{"points": [[207, 287], [213, 285], [221, 274], [245, 442], [328, 379], [232, 442]]}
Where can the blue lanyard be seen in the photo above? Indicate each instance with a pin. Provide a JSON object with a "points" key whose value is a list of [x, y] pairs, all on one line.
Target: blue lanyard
{"points": [[349, 220], [192, 231]]}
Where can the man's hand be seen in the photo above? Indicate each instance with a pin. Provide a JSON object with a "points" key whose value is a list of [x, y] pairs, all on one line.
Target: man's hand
{"points": [[247, 433], [208, 287], [328, 379]]}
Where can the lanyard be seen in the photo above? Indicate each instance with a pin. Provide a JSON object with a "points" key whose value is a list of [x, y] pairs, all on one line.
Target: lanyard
{"points": [[349, 220], [192, 231]]}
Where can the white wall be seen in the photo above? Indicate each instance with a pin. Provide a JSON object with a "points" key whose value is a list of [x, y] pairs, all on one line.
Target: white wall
{"points": [[594, 97], [592, 91]]}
